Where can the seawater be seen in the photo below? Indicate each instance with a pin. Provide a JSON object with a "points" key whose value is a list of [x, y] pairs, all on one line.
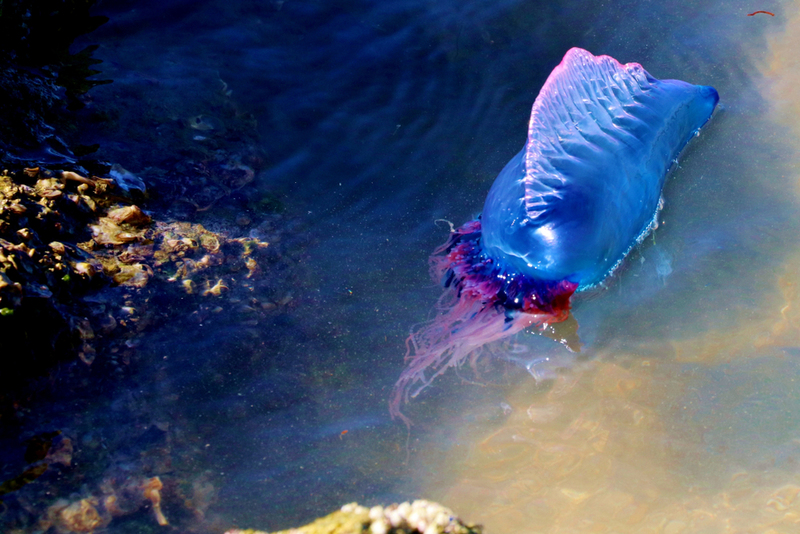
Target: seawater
{"points": [[380, 118]]}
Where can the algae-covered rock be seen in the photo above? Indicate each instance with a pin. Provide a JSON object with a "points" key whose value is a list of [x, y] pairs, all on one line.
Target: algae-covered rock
{"points": [[91, 265], [418, 517], [68, 240]]}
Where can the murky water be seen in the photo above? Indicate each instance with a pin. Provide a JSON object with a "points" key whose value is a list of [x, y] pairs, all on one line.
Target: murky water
{"points": [[379, 118]]}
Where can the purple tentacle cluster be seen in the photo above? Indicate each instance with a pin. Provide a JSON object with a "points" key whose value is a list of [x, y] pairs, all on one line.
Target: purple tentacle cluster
{"points": [[461, 263]]}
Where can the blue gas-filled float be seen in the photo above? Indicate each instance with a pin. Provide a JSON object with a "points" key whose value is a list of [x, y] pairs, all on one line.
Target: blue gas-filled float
{"points": [[563, 213]]}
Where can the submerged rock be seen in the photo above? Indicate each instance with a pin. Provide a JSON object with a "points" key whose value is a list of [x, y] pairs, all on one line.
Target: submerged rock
{"points": [[67, 241], [418, 517], [86, 275], [90, 266]]}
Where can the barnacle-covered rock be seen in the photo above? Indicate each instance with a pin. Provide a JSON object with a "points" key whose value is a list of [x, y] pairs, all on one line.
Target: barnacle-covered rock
{"points": [[74, 517], [418, 517], [109, 232], [132, 215], [67, 240], [89, 263]]}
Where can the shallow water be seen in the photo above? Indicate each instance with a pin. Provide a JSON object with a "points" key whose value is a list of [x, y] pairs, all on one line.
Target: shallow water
{"points": [[379, 119]]}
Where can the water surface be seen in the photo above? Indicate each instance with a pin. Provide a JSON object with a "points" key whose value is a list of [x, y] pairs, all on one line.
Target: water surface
{"points": [[378, 119]]}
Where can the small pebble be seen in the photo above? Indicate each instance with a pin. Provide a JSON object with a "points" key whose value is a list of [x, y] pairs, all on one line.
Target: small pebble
{"points": [[375, 513], [404, 509], [414, 518], [395, 518]]}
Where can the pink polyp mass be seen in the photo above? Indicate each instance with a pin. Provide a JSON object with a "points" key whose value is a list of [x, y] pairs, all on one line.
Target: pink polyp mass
{"points": [[562, 214]]}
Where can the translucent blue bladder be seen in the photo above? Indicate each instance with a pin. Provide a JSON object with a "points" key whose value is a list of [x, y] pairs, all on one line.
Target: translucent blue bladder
{"points": [[563, 213], [586, 186]]}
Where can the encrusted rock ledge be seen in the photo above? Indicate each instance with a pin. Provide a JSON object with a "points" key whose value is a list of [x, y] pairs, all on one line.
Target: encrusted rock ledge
{"points": [[418, 517], [65, 238]]}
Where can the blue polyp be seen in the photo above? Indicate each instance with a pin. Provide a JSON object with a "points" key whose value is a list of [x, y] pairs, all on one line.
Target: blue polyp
{"points": [[587, 185]]}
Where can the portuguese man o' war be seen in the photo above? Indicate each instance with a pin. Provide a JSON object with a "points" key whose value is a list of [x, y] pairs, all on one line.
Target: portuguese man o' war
{"points": [[563, 213]]}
